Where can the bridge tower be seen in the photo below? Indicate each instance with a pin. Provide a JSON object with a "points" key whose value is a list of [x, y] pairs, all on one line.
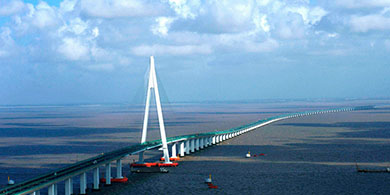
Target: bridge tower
{"points": [[152, 85]]}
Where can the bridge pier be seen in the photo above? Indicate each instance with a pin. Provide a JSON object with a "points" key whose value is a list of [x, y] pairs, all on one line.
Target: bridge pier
{"points": [[36, 193], [192, 145], [210, 140], [214, 140], [141, 157], [68, 186], [182, 148], [201, 143], [197, 144], [188, 147], [108, 174], [83, 183], [119, 169], [174, 150], [96, 178], [52, 190]]}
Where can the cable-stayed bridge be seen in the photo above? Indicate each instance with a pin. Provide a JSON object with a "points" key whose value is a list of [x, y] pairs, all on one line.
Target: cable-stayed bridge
{"points": [[179, 145]]}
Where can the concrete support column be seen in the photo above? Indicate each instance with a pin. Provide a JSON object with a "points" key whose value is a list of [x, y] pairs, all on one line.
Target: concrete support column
{"points": [[119, 169], [83, 183], [51, 189], [197, 144], [192, 145], [211, 140], [36, 193], [96, 178], [214, 140], [108, 173], [141, 157], [201, 143], [182, 148], [188, 147], [174, 150], [68, 186], [71, 185]]}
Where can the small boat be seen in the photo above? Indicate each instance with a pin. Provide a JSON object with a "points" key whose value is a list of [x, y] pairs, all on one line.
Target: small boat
{"points": [[387, 170], [208, 180], [248, 155], [10, 182], [149, 170]]}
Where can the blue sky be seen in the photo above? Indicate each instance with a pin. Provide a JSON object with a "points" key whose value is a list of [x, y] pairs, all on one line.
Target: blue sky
{"points": [[96, 51]]}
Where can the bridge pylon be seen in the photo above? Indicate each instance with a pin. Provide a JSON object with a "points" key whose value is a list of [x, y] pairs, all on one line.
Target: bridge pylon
{"points": [[152, 85]]}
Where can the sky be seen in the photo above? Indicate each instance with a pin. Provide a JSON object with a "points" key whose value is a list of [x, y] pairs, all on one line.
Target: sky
{"points": [[97, 51]]}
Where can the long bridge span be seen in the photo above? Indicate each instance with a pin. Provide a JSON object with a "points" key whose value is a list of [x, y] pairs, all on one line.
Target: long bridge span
{"points": [[180, 145]]}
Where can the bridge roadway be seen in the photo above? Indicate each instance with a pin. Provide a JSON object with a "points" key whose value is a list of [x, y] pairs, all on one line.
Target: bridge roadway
{"points": [[187, 144]]}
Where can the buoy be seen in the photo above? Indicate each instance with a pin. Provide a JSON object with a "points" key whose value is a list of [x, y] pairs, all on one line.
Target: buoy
{"points": [[10, 181], [261, 154], [208, 180], [248, 155]]}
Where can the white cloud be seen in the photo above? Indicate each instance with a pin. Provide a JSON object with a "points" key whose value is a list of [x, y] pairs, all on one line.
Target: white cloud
{"points": [[95, 32], [6, 42], [369, 22], [73, 49], [68, 5], [119, 8], [10, 7], [147, 50], [185, 8], [361, 3], [162, 26], [44, 16]]}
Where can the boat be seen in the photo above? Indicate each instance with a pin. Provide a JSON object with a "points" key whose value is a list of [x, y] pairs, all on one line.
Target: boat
{"points": [[387, 170], [149, 169]]}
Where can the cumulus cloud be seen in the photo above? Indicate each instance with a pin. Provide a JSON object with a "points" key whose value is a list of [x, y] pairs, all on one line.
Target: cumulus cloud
{"points": [[43, 15], [119, 8], [147, 50], [162, 25], [11, 7], [73, 49], [362, 3], [369, 22], [103, 32]]}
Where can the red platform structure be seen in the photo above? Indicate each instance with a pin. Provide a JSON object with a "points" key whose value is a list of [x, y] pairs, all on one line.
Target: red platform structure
{"points": [[115, 180], [154, 165]]}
